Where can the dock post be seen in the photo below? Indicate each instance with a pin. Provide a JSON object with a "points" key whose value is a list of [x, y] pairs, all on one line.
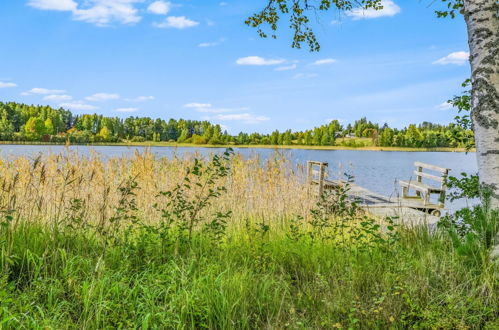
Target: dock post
{"points": [[321, 178], [309, 176]]}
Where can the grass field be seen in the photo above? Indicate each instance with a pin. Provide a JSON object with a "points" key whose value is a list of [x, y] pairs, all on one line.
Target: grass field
{"points": [[147, 243]]}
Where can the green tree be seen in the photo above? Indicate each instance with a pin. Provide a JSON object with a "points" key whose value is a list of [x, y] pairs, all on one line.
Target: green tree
{"points": [[325, 139], [104, 134], [34, 128], [184, 135], [413, 136], [287, 138], [274, 138], [217, 135], [6, 129], [308, 138], [49, 126], [386, 138]]}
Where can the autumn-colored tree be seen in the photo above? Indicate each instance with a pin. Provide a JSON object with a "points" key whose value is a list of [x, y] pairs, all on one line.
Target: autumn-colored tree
{"points": [[104, 134], [34, 128], [49, 126]]}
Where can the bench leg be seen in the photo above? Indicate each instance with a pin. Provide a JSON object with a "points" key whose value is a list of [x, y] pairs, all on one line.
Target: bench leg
{"points": [[404, 192]]}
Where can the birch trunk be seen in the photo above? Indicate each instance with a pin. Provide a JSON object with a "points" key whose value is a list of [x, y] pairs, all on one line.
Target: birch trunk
{"points": [[482, 19]]}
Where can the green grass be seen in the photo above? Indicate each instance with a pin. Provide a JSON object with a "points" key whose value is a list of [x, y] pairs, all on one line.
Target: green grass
{"points": [[66, 278]]}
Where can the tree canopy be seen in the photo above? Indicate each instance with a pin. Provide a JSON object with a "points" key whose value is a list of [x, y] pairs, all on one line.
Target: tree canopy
{"points": [[21, 122], [299, 12]]}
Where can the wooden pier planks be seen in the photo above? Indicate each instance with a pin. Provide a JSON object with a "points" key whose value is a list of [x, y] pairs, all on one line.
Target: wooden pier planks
{"points": [[384, 206], [410, 210]]}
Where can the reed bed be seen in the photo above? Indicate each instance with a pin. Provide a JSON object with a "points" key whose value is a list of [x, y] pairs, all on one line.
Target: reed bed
{"points": [[41, 187]]}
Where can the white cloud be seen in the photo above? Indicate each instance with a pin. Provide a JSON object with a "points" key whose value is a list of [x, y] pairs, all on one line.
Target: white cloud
{"points": [[257, 60], [104, 12], [208, 108], [211, 44], [127, 110], [286, 68], [197, 105], [43, 91], [98, 12], [7, 84], [324, 61], [176, 22], [208, 44], [141, 99], [60, 5], [457, 58], [444, 106], [390, 8], [57, 98], [246, 118], [159, 7], [99, 97], [305, 75], [77, 105]]}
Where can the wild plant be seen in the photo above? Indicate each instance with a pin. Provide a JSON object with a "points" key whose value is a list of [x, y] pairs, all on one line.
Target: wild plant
{"points": [[295, 232], [75, 218], [183, 208], [125, 213], [339, 218], [217, 227], [467, 186], [473, 230], [334, 212], [6, 241]]}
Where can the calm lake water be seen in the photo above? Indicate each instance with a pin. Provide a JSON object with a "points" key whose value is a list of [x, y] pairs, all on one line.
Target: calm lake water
{"points": [[375, 170]]}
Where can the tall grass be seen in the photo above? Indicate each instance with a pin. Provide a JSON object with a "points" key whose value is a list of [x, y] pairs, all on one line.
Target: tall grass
{"points": [[86, 243], [42, 188]]}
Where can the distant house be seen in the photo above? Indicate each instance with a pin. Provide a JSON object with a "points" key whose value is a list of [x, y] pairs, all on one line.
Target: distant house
{"points": [[350, 135]]}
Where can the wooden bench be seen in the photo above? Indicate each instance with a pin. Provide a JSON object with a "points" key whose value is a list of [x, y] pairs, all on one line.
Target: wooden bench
{"points": [[424, 190]]}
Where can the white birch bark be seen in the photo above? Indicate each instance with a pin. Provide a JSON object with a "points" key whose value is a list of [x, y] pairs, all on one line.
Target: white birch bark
{"points": [[482, 19]]}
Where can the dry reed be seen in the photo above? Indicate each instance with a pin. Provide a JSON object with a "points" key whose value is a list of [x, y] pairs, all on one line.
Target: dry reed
{"points": [[41, 188]]}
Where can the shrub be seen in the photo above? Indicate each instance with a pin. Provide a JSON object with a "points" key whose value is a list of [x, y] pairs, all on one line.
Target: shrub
{"points": [[138, 139], [197, 139]]}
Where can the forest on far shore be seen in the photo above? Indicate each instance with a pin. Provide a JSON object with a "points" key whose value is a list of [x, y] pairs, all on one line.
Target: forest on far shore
{"points": [[25, 123]]}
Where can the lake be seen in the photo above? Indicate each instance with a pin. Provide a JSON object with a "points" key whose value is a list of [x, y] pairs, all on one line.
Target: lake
{"points": [[375, 170]]}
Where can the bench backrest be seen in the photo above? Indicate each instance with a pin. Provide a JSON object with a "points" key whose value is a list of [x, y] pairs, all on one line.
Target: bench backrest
{"points": [[441, 170]]}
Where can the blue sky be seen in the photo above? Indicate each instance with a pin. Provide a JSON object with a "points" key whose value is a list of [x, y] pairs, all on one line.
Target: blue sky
{"points": [[198, 60]]}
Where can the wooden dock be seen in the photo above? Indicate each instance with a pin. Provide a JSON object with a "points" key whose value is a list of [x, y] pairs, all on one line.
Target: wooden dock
{"points": [[409, 210]]}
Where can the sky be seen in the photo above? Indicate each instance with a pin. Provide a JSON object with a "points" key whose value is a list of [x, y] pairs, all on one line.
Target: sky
{"points": [[196, 59]]}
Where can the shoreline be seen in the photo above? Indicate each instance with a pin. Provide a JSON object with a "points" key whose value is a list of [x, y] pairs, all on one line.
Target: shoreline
{"points": [[210, 146]]}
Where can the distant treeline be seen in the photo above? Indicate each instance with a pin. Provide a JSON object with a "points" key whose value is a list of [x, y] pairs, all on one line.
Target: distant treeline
{"points": [[21, 122]]}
